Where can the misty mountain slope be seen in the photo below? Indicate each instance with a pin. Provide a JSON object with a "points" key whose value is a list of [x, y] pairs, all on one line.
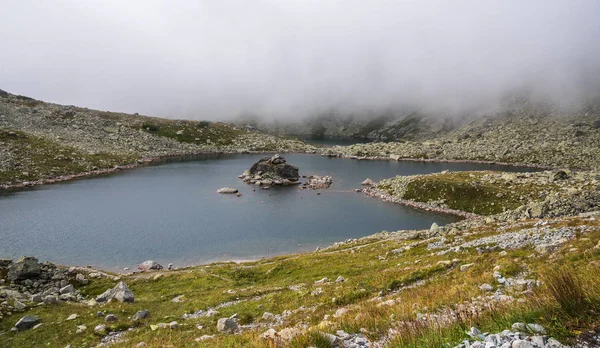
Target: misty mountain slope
{"points": [[534, 134], [40, 140]]}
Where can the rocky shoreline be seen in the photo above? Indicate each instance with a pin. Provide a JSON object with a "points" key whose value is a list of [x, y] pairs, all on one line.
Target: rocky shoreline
{"points": [[436, 160], [375, 193], [139, 163]]}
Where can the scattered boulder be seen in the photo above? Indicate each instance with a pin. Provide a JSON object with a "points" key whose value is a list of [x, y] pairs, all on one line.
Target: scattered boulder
{"points": [[143, 314], [80, 278], [72, 317], [67, 289], [486, 287], [368, 182], [120, 293], [227, 325], [111, 318], [27, 322], [100, 328], [227, 190], [150, 266], [26, 268]]}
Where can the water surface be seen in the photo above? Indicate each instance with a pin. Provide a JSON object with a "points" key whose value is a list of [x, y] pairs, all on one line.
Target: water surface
{"points": [[171, 212]]}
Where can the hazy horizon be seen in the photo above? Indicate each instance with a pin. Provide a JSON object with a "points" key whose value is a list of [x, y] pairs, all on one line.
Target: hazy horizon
{"points": [[288, 59]]}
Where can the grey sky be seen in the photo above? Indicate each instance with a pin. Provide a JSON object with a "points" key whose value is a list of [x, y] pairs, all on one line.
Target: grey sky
{"points": [[216, 59]]}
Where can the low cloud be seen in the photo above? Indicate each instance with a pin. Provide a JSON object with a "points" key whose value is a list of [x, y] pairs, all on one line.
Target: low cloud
{"points": [[291, 59]]}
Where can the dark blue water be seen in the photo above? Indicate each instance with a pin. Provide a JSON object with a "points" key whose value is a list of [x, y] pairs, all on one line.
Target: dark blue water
{"points": [[171, 213]]}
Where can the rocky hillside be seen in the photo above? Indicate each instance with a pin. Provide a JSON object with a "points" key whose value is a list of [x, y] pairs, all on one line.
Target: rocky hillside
{"points": [[533, 282], [527, 135], [40, 140]]}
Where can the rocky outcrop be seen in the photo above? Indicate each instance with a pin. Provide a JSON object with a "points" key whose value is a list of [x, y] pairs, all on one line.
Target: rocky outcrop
{"points": [[271, 171], [276, 167], [26, 268]]}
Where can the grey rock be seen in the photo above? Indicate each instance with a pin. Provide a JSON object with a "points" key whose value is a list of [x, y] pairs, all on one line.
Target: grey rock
{"points": [[227, 325], [150, 265], [486, 287], [27, 322], [120, 293], [276, 167], [25, 268], [67, 289], [50, 299], [522, 344], [227, 190], [143, 314], [111, 318]]}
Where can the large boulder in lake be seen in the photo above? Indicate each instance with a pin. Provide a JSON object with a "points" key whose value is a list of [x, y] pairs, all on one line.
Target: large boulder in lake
{"points": [[275, 167]]}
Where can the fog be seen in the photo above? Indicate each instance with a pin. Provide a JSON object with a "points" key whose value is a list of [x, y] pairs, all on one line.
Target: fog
{"points": [[290, 59]]}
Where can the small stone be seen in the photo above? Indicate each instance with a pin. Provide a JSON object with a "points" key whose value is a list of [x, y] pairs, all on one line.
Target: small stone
{"points": [[322, 281], [139, 315], [268, 316], [521, 327], [100, 328], [486, 287], [536, 328], [80, 278], [340, 279], [173, 325], [72, 317], [466, 266], [522, 344], [111, 318], [228, 190]]}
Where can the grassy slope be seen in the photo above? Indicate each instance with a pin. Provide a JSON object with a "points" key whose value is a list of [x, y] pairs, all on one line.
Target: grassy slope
{"points": [[371, 269], [34, 158], [464, 191]]}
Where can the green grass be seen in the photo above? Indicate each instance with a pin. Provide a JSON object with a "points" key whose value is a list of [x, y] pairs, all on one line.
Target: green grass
{"points": [[422, 284], [33, 158], [464, 191]]}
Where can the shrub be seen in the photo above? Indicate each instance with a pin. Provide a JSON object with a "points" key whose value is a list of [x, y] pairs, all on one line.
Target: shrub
{"points": [[150, 127], [202, 124]]}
